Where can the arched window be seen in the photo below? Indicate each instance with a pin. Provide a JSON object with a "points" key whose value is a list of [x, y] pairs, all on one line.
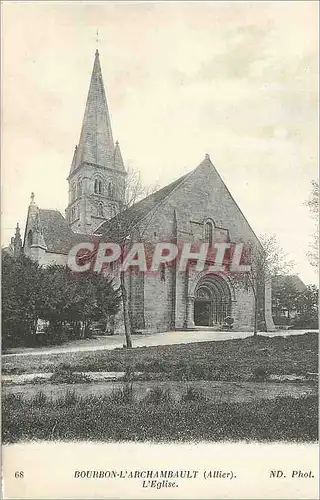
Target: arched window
{"points": [[97, 186], [73, 191], [208, 233], [79, 187], [30, 238], [100, 209], [73, 213], [110, 190]]}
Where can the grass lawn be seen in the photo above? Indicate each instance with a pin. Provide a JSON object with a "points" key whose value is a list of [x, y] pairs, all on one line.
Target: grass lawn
{"points": [[216, 391], [252, 358], [171, 410], [121, 417]]}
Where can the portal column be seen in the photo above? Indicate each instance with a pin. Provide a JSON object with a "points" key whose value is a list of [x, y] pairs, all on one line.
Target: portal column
{"points": [[190, 312]]}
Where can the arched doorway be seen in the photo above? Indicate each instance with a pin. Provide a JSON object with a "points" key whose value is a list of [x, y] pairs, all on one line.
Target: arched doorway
{"points": [[212, 301]]}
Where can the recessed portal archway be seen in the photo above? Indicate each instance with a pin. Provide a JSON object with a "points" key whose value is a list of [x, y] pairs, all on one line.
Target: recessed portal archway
{"points": [[212, 301]]}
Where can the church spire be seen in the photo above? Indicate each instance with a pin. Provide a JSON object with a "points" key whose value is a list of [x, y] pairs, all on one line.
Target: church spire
{"points": [[96, 142], [97, 175]]}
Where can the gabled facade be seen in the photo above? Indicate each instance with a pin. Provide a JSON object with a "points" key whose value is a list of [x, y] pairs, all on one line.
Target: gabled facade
{"points": [[196, 208]]}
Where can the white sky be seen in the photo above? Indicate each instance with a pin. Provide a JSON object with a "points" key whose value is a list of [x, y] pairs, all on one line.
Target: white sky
{"points": [[237, 80]]}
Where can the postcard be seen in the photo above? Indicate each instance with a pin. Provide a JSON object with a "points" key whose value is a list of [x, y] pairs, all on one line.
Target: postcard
{"points": [[160, 250]]}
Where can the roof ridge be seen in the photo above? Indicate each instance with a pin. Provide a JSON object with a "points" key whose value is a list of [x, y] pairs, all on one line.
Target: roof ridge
{"points": [[153, 209], [51, 210], [182, 180], [234, 201]]}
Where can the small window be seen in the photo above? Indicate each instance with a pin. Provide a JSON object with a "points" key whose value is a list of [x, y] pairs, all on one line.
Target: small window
{"points": [[73, 191], [73, 213], [110, 190], [97, 187], [208, 233], [100, 210], [30, 238], [79, 187]]}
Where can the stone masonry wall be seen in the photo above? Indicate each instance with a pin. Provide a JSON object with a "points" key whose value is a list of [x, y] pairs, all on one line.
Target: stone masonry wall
{"points": [[202, 195]]}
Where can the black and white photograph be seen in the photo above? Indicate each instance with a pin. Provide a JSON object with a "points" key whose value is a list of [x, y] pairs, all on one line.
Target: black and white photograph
{"points": [[160, 249]]}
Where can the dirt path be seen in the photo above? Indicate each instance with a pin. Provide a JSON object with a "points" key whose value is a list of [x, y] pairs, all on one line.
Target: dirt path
{"points": [[215, 390], [165, 338]]}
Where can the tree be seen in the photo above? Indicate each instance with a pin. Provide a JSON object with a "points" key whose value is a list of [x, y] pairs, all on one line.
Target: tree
{"points": [[313, 204], [107, 298], [21, 284], [55, 294], [128, 230], [124, 229], [267, 260], [307, 306], [284, 295], [76, 297]]}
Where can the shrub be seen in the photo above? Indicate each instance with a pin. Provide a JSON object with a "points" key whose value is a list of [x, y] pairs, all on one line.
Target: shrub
{"points": [[260, 374], [304, 322], [39, 399], [157, 396], [192, 394], [64, 374], [70, 398], [129, 374], [124, 394]]}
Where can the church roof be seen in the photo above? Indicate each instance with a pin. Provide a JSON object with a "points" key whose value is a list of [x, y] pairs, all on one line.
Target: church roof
{"points": [[291, 280], [96, 142], [58, 236], [119, 226]]}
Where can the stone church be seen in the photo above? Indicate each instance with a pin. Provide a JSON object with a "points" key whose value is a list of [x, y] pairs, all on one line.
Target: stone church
{"points": [[197, 207]]}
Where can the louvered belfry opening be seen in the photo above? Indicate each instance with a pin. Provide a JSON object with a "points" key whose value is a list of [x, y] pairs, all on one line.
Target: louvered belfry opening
{"points": [[212, 301]]}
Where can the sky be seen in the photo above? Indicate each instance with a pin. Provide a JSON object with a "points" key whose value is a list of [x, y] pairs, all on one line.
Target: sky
{"points": [[237, 80]]}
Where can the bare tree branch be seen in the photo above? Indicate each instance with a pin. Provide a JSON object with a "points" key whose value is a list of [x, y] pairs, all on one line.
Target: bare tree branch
{"points": [[267, 261]]}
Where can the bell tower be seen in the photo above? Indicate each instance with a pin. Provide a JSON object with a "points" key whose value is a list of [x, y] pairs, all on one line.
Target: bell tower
{"points": [[97, 175]]}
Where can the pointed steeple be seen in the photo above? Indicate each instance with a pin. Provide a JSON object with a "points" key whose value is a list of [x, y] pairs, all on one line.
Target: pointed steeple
{"points": [[33, 209], [17, 242], [97, 169], [96, 142], [74, 159], [17, 233], [118, 161]]}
